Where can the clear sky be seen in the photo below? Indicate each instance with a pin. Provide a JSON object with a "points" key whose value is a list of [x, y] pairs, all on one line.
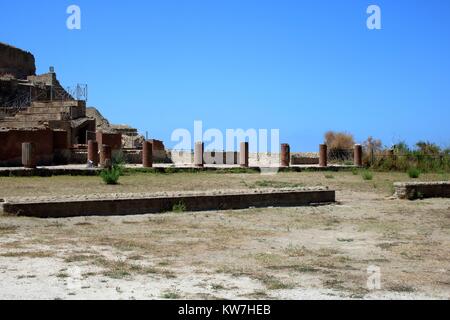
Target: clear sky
{"points": [[301, 66]]}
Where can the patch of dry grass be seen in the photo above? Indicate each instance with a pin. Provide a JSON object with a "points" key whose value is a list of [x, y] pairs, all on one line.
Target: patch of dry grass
{"points": [[27, 254], [279, 247], [7, 229]]}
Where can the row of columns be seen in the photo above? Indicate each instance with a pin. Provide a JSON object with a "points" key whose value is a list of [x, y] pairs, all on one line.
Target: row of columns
{"points": [[106, 154], [285, 155], [199, 150], [357, 155], [95, 158], [104, 157]]}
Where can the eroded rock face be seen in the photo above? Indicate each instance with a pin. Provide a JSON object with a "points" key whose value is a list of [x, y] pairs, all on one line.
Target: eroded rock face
{"points": [[16, 62]]}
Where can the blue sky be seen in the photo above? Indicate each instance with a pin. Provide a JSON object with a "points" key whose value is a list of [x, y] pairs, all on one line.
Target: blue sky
{"points": [[300, 66]]}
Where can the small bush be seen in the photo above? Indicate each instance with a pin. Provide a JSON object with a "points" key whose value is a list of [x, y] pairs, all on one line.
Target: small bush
{"points": [[413, 173], [179, 207], [340, 146], [367, 175], [111, 176]]}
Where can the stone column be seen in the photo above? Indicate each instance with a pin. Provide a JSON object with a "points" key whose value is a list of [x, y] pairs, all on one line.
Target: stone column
{"points": [[285, 155], [106, 156], [358, 155], [243, 155], [323, 157], [28, 155], [147, 154], [198, 154], [93, 152]]}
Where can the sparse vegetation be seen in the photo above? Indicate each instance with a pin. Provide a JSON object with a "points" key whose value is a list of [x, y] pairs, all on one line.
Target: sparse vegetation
{"points": [[111, 176], [7, 229], [413, 173], [179, 207], [340, 145], [170, 295], [273, 184], [27, 254], [401, 288], [425, 157], [261, 253], [367, 175]]}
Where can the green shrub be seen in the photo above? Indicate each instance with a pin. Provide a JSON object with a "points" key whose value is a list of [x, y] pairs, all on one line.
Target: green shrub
{"points": [[413, 173], [367, 175], [179, 207], [111, 176], [355, 171]]}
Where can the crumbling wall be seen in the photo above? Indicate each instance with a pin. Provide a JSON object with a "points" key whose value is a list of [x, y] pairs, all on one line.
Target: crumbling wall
{"points": [[16, 62], [114, 140], [11, 146], [159, 151]]}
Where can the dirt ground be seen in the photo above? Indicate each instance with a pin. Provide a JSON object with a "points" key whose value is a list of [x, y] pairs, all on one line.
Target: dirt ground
{"points": [[319, 252]]}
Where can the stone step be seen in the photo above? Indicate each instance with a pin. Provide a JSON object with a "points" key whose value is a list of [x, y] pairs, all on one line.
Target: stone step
{"points": [[38, 116]]}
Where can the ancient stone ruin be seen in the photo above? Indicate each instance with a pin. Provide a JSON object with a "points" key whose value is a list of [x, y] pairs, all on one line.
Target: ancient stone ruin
{"points": [[43, 123], [37, 109]]}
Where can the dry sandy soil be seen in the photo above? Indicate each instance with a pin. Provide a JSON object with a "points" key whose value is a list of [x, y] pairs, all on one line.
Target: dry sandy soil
{"points": [[318, 252]]}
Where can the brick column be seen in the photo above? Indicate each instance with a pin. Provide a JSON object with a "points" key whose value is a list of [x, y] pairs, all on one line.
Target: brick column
{"points": [[93, 152], [106, 156], [198, 154], [243, 155], [323, 157], [285, 155], [358, 155], [28, 155], [147, 154]]}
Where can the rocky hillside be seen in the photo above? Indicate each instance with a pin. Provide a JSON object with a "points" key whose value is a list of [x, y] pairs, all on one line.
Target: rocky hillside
{"points": [[101, 122], [130, 136], [16, 62]]}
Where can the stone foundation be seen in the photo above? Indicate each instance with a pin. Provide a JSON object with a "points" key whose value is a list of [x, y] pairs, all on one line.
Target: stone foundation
{"points": [[421, 190], [143, 204]]}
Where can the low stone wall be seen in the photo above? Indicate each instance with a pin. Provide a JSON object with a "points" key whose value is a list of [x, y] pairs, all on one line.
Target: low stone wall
{"points": [[262, 159], [181, 157], [47, 143], [212, 157], [304, 158], [420, 190], [255, 159], [135, 204]]}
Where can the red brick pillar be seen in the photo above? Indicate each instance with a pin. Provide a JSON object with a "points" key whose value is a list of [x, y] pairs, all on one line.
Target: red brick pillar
{"points": [[358, 155], [28, 155], [93, 152], [106, 156], [198, 154], [285, 155], [243, 155], [323, 157], [147, 154]]}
